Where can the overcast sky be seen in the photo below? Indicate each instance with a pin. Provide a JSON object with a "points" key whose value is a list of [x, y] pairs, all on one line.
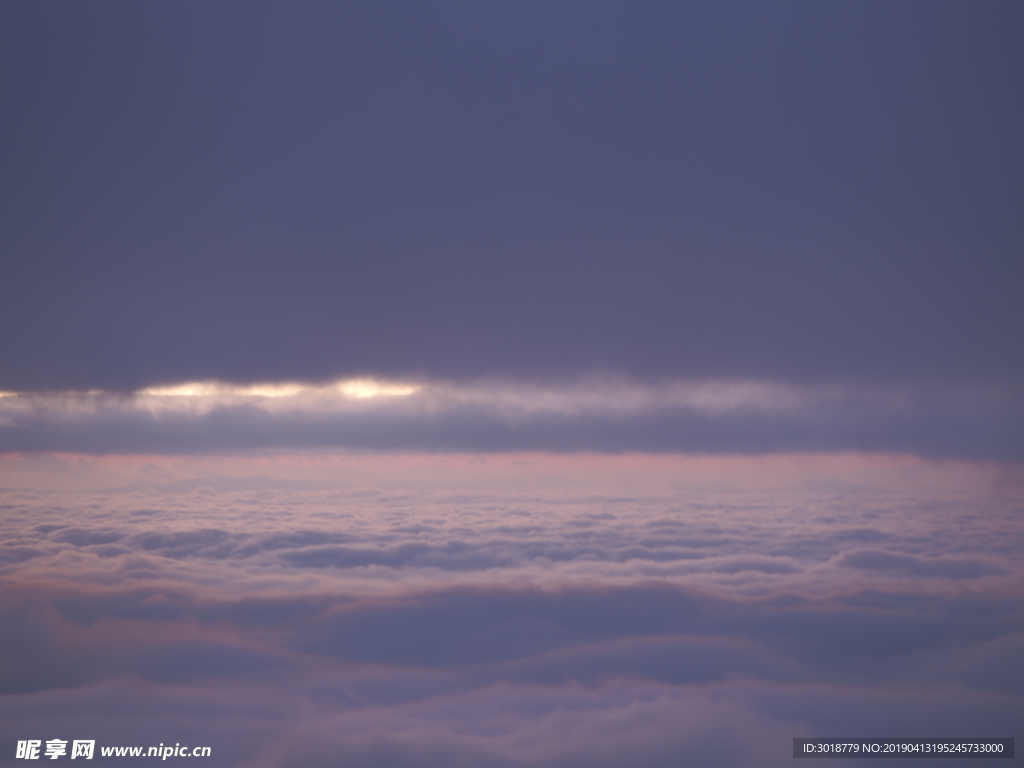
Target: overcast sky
{"points": [[802, 192], [510, 384]]}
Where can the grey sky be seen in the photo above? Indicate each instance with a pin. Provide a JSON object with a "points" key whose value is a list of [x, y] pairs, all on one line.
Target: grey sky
{"points": [[798, 192]]}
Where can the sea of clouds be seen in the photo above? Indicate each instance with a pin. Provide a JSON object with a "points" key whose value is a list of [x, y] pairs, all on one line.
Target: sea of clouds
{"points": [[520, 610]]}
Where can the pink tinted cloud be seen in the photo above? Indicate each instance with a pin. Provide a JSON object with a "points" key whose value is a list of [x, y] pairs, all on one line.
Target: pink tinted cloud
{"points": [[511, 610]]}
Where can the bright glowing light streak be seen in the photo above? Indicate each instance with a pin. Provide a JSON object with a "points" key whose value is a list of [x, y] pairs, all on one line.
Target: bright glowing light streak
{"points": [[287, 389], [187, 389], [354, 388], [362, 388]]}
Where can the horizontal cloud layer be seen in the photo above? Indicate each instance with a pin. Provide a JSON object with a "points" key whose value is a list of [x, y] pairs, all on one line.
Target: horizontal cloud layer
{"points": [[528, 610], [589, 415]]}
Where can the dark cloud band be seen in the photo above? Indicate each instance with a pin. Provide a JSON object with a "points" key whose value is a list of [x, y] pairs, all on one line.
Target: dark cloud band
{"points": [[595, 415]]}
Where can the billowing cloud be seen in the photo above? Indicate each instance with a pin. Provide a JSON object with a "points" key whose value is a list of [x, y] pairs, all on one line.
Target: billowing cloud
{"points": [[520, 610], [596, 414]]}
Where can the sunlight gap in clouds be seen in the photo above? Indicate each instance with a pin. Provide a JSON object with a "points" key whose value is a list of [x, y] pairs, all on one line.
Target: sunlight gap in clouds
{"points": [[596, 396], [593, 395], [357, 388], [504, 400], [588, 413]]}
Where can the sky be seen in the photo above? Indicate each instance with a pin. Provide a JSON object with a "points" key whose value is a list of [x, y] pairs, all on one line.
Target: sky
{"points": [[804, 191], [524, 384]]}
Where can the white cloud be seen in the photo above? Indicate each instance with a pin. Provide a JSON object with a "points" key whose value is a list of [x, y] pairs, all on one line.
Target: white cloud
{"points": [[525, 610]]}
